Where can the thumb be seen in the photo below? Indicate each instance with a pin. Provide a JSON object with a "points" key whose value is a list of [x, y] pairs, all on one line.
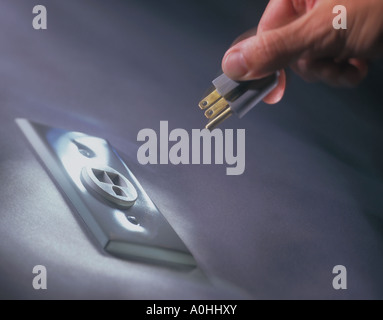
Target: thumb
{"points": [[268, 51]]}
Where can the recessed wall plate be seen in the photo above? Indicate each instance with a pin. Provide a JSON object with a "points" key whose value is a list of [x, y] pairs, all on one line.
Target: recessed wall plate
{"points": [[107, 195]]}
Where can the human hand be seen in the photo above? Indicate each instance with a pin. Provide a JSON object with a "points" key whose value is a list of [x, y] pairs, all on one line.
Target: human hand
{"points": [[300, 34]]}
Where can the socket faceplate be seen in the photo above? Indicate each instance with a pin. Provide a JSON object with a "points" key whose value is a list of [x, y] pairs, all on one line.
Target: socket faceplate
{"points": [[107, 196]]}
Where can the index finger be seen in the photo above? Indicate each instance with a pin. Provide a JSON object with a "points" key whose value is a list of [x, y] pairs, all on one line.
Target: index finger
{"points": [[279, 13]]}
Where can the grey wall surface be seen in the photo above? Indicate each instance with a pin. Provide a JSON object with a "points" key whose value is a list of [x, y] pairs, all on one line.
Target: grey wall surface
{"points": [[310, 198]]}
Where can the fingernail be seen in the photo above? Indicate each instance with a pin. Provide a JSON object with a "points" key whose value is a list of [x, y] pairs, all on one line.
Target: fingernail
{"points": [[234, 65]]}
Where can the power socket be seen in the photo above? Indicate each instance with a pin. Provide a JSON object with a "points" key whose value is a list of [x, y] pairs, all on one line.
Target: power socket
{"points": [[107, 196]]}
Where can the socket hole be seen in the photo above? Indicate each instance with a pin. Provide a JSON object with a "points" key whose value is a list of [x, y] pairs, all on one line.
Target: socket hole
{"points": [[118, 191], [204, 103], [101, 176]]}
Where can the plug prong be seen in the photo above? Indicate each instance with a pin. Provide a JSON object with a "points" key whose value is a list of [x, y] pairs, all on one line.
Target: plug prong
{"points": [[209, 100], [219, 119], [216, 108]]}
